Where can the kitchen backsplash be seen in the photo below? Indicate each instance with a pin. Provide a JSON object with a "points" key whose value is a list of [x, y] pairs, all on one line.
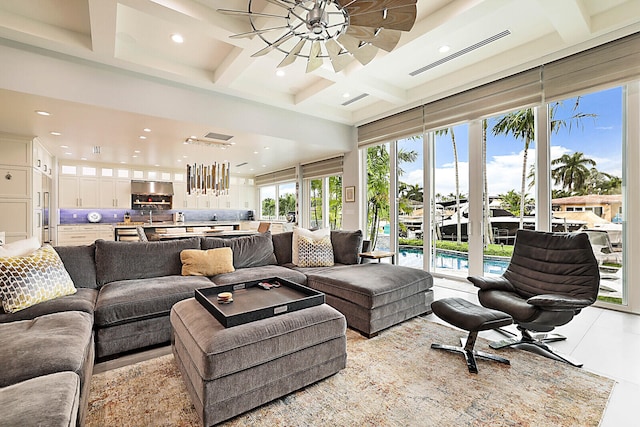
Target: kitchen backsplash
{"points": [[112, 216]]}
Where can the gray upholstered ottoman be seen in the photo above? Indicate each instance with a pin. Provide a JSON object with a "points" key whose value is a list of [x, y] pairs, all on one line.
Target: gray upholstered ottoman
{"points": [[375, 296], [231, 370]]}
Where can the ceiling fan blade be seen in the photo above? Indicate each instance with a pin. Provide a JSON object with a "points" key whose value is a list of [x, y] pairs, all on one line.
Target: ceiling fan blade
{"points": [[256, 32], [390, 14], [364, 54], [314, 60], [338, 60], [250, 14], [293, 54], [401, 18], [272, 45], [383, 38]]}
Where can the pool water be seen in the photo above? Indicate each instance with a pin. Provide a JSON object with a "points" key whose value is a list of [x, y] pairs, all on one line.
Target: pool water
{"points": [[412, 257]]}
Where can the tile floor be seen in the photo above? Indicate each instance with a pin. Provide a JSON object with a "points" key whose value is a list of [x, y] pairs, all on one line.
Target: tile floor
{"points": [[606, 341]]}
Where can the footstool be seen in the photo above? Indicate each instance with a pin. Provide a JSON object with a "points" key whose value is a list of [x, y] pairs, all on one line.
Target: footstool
{"points": [[473, 318], [229, 371], [375, 296]]}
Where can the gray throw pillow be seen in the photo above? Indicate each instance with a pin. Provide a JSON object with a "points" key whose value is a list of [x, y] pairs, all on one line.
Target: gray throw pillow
{"points": [[346, 246], [248, 251]]}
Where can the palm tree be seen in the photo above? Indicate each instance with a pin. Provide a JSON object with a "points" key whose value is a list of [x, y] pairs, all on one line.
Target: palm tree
{"points": [[571, 171], [455, 165], [378, 170], [521, 125]]}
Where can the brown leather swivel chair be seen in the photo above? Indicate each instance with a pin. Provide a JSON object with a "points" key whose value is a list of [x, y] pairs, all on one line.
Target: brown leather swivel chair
{"points": [[551, 277]]}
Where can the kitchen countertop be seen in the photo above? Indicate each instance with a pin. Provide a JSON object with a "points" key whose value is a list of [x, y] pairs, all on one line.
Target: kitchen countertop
{"points": [[160, 224]]}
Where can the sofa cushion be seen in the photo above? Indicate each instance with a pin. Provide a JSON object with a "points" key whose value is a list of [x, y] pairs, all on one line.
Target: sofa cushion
{"points": [[132, 300], [79, 261], [196, 262], [282, 243], [315, 252], [248, 251], [50, 400], [140, 260], [83, 300], [346, 246], [32, 279], [257, 273], [45, 345]]}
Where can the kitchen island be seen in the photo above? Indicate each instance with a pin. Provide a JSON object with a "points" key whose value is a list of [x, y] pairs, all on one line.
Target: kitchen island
{"points": [[164, 230]]}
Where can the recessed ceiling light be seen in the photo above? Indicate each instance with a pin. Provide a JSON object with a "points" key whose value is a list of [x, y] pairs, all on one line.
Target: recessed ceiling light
{"points": [[134, 156], [177, 38], [266, 148], [251, 169], [123, 163], [264, 166], [255, 152], [43, 113], [444, 49], [346, 95], [64, 146], [280, 73], [146, 130], [68, 153], [136, 151], [83, 158], [184, 157], [142, 137], [55, 133], [179, 160], [157, 165]]}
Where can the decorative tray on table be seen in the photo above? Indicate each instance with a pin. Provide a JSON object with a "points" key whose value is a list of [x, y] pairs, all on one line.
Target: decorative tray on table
{"points": [[256, 300]]}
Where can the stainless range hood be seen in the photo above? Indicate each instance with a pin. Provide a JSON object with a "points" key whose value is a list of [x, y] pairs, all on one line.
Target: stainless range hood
{"points": [[155, 195], [152, 188]]}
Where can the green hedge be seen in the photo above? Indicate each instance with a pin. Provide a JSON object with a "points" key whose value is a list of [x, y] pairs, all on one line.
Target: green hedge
{"points": [[491, 250]]}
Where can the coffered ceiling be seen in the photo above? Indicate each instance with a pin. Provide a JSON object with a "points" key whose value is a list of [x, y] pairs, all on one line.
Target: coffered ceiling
{"points": [[107, 69]]}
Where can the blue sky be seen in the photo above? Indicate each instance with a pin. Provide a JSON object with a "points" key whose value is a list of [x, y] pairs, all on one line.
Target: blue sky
{"points": [[599, 138]]}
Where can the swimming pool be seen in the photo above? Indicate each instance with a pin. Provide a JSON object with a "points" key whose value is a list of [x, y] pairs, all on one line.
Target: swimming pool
{"points": [[412, 257]]}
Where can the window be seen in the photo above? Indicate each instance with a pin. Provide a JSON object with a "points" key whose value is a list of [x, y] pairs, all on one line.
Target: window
{"points": [[286, 200], [68, 170], [106, 172], [268, 202], [89, 171]]}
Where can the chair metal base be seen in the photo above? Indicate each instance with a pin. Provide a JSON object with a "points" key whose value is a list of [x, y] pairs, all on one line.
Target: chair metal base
{"points": [[535, 343], [469, 353]]}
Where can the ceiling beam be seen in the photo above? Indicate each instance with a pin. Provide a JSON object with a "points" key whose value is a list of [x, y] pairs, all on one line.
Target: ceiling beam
{"points": [[102, 16], [569, 18]]}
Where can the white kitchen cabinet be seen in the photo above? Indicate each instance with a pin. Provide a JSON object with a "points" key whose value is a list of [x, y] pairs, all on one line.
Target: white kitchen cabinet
{"points": [[41, 159], [115, 193], [15, 151], [15, 181], [84, 234], [15, 219], [78, 192]]}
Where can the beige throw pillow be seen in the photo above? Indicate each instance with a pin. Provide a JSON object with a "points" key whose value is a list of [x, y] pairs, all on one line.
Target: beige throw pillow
{"points": [[301, 232], [206, 263], [32, 279]]}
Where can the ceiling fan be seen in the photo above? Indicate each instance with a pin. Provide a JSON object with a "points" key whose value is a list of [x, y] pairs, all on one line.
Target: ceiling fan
{"points": [[341, 30]]}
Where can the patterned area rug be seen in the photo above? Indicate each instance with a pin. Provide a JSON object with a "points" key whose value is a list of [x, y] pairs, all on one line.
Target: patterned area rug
{"points": [[394, 379]]}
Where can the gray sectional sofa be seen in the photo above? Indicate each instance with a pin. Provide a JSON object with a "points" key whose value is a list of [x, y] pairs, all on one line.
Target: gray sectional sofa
{"points": [[125, 292]]}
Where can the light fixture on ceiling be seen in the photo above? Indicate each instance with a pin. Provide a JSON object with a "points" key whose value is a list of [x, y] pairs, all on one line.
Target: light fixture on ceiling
{"points": [[207, 143], [341, 30], [43, 113], [208, 179], [177, 38]]}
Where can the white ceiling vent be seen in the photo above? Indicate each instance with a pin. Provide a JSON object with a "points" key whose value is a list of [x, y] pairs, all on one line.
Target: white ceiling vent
{"points": [[461, 52], [220, 136]]}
